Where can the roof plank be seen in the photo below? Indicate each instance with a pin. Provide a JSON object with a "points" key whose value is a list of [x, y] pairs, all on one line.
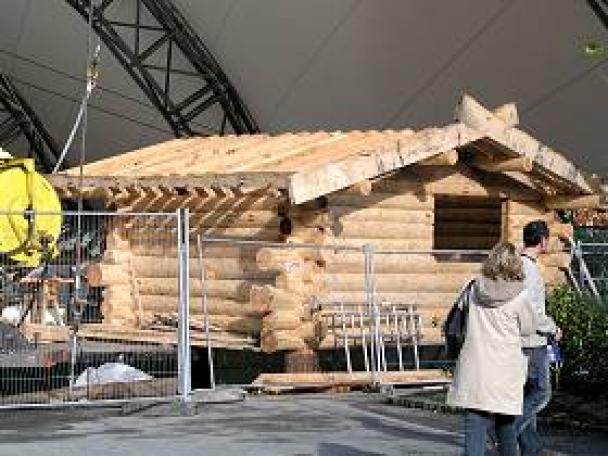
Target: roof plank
{"points": [[552, 162], [397, 153], [312, 164], [233, 181]]}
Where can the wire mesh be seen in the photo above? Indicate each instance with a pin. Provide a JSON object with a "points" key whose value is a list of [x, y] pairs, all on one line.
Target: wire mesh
{"points": [[106, 300], [595, 256], [414, 291], [90, 314], [270, 307], [322, 308]]}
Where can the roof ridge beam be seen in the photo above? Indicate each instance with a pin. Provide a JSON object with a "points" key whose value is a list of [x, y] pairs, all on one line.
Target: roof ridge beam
{"points": [[470, 112]]}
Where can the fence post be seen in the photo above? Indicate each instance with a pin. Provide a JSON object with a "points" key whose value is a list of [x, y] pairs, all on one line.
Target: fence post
{"points": [[201, 267], [370, 290], [183, 347], [585, 273]]}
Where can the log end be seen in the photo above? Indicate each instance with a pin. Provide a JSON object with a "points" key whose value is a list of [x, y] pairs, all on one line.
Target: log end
{"points": [[93, 274], [273, 341]]}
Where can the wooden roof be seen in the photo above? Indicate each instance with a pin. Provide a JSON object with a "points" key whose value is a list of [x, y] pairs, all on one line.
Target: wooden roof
{"points": [[308, 165]]}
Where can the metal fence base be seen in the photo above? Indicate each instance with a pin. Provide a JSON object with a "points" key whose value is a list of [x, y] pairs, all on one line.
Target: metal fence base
{"points": [[186, 407]]}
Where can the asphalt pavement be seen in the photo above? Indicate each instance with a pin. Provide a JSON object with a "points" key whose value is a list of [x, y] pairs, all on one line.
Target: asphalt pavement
{"points": [[298, 425]]}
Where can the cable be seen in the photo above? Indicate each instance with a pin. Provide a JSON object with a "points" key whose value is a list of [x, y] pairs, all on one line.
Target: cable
{"points": [[92, 75], [603, 16], [563, 86], [92, 71], [459, 52], [99, 87], [98, 108], [74, 78], [322, 45]]}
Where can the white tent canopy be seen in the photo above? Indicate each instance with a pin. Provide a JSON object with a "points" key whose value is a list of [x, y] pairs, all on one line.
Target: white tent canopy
{"points": [[340, 64]]}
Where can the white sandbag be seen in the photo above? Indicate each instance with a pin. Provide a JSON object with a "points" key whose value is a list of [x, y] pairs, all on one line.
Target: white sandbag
{"points": [[11, 314], [110, 373]]}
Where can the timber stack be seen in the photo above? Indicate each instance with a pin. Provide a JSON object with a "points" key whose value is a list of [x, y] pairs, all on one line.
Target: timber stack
{"points": [[288, 257]]}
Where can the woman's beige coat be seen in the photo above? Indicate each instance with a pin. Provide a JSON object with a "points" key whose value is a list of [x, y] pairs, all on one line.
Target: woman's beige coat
{"points": [[491, 369]]}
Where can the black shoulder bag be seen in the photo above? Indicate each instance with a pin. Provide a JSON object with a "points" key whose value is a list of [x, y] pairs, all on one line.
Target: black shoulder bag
{"points": [[454, 329]]}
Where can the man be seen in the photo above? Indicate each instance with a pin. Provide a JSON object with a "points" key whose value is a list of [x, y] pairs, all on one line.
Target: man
{"points": [[537, 393]]}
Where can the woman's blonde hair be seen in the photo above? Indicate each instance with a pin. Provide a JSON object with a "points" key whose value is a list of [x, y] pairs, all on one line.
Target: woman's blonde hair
{"points": [[504, 263]]}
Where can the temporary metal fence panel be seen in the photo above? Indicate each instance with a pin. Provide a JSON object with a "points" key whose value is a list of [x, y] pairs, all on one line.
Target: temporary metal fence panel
{"points": [[412, 293], [590, 260], [593, 267], [272, 307], [301, 308], [98, 318]]}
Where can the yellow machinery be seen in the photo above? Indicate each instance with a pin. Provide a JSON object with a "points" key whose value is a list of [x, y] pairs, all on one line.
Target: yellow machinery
{"points": [[30, 212]]}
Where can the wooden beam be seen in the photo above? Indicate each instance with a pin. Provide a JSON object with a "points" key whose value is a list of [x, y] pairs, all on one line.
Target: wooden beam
{"points": [[363, 188], [470, 112], [328, 379], [499, 165], [393, 154], [574, 202], [508, 114], [244, 180], [550, 161], [518, 143], [448, 158]]}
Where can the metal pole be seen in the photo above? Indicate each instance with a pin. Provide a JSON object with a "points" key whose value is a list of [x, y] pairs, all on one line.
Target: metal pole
{"points": [[398, 336], [415, 322], [183, 350], [384, 338], [73, 358], [378, 339], [368, 251], [349, 366], [201, 265], [363, 341]]}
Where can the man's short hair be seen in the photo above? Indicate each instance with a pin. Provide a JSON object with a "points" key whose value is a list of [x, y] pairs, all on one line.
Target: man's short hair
{"points": [[535, 232]]}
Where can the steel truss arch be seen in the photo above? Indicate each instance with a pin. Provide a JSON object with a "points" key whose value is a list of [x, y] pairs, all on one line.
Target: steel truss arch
{"points": [[600, 9], [18, 118], [153, 65]]}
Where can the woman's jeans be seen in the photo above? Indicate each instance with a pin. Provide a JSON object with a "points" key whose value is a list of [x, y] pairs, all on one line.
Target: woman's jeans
{"points": [[537, 394], [476, 426]]}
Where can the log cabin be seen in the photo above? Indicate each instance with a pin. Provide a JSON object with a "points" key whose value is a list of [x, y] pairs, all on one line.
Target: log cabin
{"points": [[460, 187]]}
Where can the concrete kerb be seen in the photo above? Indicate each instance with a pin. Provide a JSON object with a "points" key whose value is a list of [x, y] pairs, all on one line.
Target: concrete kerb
{"points": [[407, 401]]}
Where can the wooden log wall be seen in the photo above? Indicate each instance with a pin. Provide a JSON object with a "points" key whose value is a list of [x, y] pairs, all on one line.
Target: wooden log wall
{"points": [[274, 294], [139, 269], [121, 304], [290, 322], [399, 215], [396, 216]]}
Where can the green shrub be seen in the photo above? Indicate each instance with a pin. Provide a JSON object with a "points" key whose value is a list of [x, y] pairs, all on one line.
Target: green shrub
{"points": [[584, 322]]}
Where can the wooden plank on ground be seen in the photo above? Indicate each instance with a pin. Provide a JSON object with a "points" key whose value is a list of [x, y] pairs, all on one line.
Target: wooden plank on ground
{"points": [[355, 379]]}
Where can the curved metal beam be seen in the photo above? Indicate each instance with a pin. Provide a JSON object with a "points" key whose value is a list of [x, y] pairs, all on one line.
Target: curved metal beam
{"points": [[147, 45], [600, 10], [17, 118]]}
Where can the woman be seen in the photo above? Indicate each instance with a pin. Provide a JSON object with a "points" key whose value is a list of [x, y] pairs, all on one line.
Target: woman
{"points": [[491, 369]]}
